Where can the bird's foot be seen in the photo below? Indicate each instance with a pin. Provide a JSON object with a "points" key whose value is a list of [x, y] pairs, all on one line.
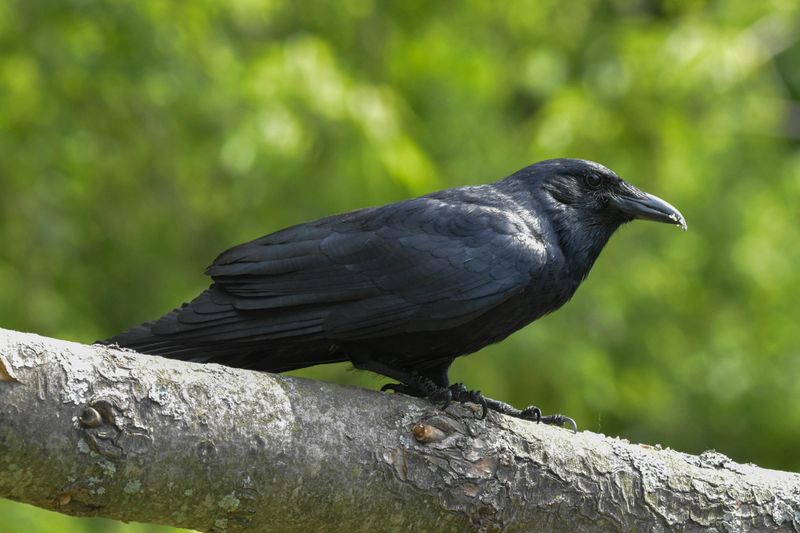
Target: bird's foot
{"points": [[457, 392], [461, 394], [439, 395], [413, 384], [560, 421], [532, 413]]}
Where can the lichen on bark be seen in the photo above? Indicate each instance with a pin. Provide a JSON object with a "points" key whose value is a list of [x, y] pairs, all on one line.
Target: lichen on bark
{"points": [[92, 431]]}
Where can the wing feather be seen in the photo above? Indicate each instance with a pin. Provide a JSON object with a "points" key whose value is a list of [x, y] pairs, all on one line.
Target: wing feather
{"points": [[419, 265]]}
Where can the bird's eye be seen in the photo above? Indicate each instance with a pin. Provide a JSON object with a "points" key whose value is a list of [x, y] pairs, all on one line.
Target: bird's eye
{"points": [[593, 180]]}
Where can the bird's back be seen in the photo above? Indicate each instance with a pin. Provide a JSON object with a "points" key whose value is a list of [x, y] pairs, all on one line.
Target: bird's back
{"points": [[414, 282]]}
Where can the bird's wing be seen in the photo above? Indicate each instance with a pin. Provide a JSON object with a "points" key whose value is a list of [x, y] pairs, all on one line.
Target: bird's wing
{"points": [[420, 265]]}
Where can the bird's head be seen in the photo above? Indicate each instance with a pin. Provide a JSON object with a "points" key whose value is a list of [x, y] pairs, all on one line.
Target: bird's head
{"points": [[585, 203], [589, 194]]}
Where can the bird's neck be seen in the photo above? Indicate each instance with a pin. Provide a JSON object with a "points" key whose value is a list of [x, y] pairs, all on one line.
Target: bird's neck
{"points": [[581, 240], [581, 250], [580, 237]]}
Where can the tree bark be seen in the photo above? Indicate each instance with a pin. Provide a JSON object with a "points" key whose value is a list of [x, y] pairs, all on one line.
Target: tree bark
{"points": [[93, 431]]}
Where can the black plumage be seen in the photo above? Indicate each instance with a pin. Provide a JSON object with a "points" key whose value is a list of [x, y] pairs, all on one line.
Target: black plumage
{"points": [[405, 288]]}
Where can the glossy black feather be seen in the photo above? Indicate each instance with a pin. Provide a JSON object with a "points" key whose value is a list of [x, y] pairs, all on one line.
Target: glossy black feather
{"points": [[412, 284]]}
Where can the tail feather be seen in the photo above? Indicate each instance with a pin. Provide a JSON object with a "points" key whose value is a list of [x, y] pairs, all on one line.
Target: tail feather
{"points": [[142, 339], [276, 355]]}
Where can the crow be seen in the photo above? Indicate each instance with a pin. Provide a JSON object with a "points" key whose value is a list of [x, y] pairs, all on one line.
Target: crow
{"points": [[403, 289]]}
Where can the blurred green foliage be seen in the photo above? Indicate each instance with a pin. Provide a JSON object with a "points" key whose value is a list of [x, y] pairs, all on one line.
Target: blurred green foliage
{"points": [[140, 138]]}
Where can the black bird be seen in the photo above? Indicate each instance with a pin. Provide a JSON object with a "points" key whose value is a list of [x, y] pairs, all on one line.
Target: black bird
{"points": [[405, 288]]}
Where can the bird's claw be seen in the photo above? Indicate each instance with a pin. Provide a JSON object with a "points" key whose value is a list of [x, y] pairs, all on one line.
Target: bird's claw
{"points": [[531, 413], [443, 396], [402, 389], [458, 393], [534, 414], [394, 387], [461, 394], [559, 420]]}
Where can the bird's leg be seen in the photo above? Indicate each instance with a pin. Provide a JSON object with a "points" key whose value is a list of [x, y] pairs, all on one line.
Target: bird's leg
{"points": [[423, 387], [411, 383], [420, 386], [426, 388]]}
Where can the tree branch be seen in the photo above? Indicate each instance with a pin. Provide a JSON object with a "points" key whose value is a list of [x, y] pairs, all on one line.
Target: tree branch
{"points": [[92, 431]]}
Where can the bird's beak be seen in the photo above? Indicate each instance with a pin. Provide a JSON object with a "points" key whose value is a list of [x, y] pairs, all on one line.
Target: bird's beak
{"points": [[639, 204]]}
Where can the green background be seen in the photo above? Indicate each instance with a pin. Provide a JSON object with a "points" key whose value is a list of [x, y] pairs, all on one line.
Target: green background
{"points": [[140, 138]]}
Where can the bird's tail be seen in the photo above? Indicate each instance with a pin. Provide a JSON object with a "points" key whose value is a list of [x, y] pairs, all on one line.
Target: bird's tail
{"points": [[261, 355], [142, 339]]}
